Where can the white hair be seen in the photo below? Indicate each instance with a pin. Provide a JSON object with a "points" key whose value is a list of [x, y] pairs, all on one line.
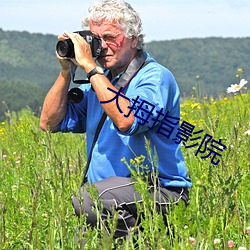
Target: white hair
{"points": [[120, 13]]}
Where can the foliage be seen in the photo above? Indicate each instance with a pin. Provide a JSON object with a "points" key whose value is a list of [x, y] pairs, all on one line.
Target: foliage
{"points": [[28, 68], [210, 61], [40, 172], [29, 59], [14, 95]]}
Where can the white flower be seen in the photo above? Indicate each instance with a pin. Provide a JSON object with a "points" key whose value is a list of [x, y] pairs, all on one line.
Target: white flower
{"points": [[237, 87], [22, 210], [217, 241], [242, 248], [247, 132], [192, 240]]}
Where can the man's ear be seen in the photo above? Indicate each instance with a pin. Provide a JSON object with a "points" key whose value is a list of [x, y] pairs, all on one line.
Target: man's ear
{"points": [[134, 42]]}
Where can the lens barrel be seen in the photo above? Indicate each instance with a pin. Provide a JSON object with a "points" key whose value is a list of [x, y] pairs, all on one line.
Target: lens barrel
{"points": [[65, 48], [75, 95]]}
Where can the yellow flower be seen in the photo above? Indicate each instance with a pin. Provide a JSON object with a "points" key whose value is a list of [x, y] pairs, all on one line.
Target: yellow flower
{"points": [[183, 113], [240, 70], [138, 160], [195, 105], [132, 162]]}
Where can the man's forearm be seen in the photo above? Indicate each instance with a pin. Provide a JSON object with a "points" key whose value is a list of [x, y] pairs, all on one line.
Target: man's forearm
{"points": [[55, 103]]}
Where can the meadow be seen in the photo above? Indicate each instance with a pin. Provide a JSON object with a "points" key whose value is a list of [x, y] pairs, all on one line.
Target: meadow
{"points": [[40, 172]]}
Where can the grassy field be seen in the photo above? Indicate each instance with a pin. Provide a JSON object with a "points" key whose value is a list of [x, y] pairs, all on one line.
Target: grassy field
{"points": [[40, 172]]}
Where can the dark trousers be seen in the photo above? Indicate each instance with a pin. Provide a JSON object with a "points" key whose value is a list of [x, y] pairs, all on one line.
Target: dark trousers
{"points": [[119, 194]]}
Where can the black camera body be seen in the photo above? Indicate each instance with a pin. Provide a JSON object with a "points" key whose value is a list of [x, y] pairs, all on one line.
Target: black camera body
{"points": [[65, 48]]}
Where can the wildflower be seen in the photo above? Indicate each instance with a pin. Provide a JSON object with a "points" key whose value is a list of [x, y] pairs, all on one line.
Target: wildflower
{"points": [[192, 240], [237, 87], [230, 244], [123, 160], [248, 230], [132, 162], [216, 241], [240, 70], [247, 132], [242, 248], [45, 216], [22, 210], [195, 105], [198, 182], [14, 188], [18, 162]]}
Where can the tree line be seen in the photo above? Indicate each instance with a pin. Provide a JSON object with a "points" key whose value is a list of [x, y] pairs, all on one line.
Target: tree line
{"points": [[204, 67]]}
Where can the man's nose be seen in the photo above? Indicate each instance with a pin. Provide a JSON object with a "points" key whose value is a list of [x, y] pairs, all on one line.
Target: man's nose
{"points": [[104, 44]]}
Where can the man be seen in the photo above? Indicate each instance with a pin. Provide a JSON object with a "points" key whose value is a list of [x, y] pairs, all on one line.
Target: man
{"points": [[145, 106]]}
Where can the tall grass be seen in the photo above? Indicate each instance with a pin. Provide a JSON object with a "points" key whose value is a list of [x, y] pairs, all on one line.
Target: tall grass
{"points": [[40, 172]]}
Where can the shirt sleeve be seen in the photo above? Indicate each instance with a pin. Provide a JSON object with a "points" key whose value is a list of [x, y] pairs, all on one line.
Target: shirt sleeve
{"points": [[153, 93]]}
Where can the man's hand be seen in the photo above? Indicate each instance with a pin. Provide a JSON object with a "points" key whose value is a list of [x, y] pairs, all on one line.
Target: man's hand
{"points": [[66, 63], [83, 54]]}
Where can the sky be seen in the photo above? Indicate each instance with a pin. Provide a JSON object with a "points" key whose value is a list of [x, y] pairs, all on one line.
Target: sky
{"points": [[162, 19]]}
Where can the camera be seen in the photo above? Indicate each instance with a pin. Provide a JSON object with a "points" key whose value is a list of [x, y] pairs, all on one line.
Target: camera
{"points": [[65, 48]]}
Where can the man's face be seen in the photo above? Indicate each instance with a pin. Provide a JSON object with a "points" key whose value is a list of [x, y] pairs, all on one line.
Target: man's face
{"points": [[118, 50]]}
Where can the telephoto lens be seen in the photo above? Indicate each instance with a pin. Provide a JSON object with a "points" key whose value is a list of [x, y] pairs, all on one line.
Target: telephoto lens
{"points": [[65, 48]]}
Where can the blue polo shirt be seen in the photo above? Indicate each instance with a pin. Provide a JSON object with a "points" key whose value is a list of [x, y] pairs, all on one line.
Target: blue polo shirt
{"points": [[154, 97]]}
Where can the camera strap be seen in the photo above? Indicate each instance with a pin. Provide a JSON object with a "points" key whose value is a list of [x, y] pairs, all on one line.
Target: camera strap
{"points": [[136, 64]]}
